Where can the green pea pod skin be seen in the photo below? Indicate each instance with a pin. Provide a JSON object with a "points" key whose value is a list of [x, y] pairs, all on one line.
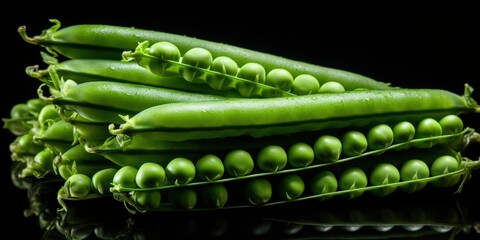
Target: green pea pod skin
{"points": [[97, 41], [89, 70], [59, 136], [103, 101], [282, 116], [78, 160]]}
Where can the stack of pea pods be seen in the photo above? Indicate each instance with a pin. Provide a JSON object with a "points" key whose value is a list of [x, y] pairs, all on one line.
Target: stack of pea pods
{"points": [[166, 122]]}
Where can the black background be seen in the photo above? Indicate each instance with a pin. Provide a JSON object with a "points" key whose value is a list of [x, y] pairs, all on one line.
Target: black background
{"points": [[432, 47]]}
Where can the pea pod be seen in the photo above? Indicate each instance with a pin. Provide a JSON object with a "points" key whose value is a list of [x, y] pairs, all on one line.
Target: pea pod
{"points": [[90, 70], [78, 160], [97, 41], [103, 101], [281, 116]]}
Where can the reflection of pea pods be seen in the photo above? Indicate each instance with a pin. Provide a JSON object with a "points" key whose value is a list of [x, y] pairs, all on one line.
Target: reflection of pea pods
{"points": [[394, 218]]}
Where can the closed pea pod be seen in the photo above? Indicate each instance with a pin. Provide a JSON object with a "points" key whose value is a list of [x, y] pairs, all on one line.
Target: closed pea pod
{"points": [[103, 101], [279, 116]]}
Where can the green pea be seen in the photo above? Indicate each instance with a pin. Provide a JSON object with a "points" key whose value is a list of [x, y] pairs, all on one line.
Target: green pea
{"points": [[196, 57], [426, 128], [253, 72], [331, 87], [324, 182], [300, 155], [147, 199], [384, 173], [451, 124], [223, 65], [258, 191], [403, 132], [125, 177], [327, 148], [165, 51], [414, 169], [180, 171], [209, 168], [214, 195], [350, 179], [305, 84], [77, 186], [443, 165], [102, 180], [280, 78], [183, 198], [354, 143], [238, 163], [150, 175], [272, 158], [380, 137], [290, 186]]}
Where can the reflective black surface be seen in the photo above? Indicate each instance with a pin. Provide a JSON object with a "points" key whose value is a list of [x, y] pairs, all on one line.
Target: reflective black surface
{"points": [[432, 47]]}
